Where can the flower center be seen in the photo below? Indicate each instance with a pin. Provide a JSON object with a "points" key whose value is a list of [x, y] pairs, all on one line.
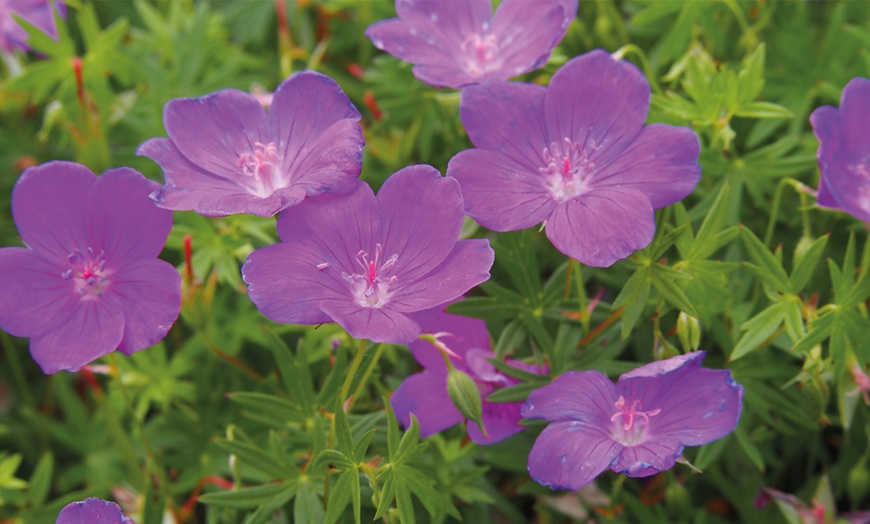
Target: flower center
{"points": [[260, 166], [88, 272], [567, 169], [371, 287], [480, 54], [634, 421]]}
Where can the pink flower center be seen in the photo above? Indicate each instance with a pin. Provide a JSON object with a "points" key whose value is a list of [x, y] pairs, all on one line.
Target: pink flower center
{"points": [[88, 273], [371, 287], [633, 421], [480, 54], [567, 169], [260, 166]]}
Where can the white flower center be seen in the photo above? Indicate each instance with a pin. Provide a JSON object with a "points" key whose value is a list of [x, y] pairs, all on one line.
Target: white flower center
{"points": [[88, 273], [630, 422], [371, 287], [567, 169], [261, 166]]}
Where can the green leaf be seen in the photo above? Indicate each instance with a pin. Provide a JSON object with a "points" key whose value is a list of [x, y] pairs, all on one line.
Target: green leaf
{"points": [[517, 393], [664, 279], [805, 262], [307, 508], [40, 481], [257, 458], [491, 309], [247, 498], [749, 448], [759, 328], [269, 406], [763, 110], [633, 297], [345, 490], [819, 330], [767, 267]]}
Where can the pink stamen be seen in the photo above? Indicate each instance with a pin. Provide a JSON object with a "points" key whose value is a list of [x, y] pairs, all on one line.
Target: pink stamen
{"points": [[632, 414]]}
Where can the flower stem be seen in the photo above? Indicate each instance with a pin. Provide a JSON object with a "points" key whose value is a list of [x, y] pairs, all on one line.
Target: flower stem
{"points": [[354, 367], [366, 374]]}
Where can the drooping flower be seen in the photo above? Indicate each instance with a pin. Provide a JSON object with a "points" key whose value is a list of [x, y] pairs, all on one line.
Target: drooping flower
{"points": [[92, 511], [225, 154], [576, 156], [455, 43], [369, 262], [425, 394], [638, 426], [89, 281], [40, 13], [844, 154]]}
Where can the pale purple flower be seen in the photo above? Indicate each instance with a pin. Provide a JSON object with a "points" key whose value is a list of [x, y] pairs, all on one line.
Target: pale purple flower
{"points": [[425, 394], [638, 426], [370, 262], [576, 156], [92, 511], [844, 153], [455, 43], [40, 13], [225, 154], [89, 281]]}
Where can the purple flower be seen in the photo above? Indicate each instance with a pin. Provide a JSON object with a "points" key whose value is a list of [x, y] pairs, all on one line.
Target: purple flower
{"points": [[455, 43], [40, 13], [92, 511], [226, 155], [89, 281], [576, 156], [844, 153], [369, 262], [638, 426], [425, 394]]}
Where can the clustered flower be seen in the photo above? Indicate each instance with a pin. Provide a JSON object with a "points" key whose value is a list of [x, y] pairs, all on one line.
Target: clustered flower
{"points": [[575, 156]]}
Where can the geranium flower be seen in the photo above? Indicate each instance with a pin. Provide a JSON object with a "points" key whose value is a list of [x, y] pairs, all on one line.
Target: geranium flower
{"points": [[92, 511], [576, 156], [369, 262], [844, 154], [638, 426], [455, 43], [425, 394], [89, 281], [40, 13], [226, 155]]}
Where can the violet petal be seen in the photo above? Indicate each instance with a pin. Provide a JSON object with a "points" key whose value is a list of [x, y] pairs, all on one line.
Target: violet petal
{"points": [[584, 227]]}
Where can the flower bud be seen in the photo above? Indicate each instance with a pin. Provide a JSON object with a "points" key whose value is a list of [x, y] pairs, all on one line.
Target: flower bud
{"points": [[465, 395], [689, 331]]}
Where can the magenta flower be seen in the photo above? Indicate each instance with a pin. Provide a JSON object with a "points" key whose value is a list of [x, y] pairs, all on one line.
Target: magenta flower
{"points": [[226, 155], [638, 426], [455, 43], [425, 394], [844, 153], [89, 281], [92, 511], [40, 13], [369, 262], [576, 156]]}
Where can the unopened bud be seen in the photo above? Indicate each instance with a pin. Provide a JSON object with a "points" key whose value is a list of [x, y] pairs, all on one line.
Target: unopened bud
{"points": [[689, 331], [465, 395]]}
